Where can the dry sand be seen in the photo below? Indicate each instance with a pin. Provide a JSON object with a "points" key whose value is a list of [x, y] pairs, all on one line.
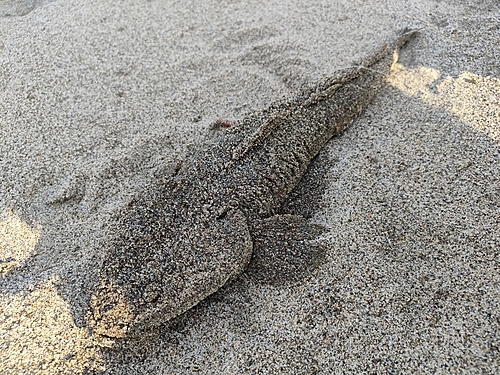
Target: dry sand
{"points": [[99, 98]]}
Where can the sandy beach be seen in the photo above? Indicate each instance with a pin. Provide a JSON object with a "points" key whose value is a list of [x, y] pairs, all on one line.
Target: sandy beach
{"points": [[99, 99]]}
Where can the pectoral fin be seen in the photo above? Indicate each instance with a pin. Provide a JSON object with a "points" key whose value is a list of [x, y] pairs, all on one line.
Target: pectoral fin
{"points": [[285, 249]]}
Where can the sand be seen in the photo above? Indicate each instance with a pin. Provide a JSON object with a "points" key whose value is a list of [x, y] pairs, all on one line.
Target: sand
{"points": [[101, 98]]}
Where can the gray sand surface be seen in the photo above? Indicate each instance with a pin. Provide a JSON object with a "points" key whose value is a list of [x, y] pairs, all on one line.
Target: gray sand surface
{"points": [[100, 98]]}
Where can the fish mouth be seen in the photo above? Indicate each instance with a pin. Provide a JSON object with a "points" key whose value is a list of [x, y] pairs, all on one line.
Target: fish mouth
{"points": [[111, 315], [116, 316]]}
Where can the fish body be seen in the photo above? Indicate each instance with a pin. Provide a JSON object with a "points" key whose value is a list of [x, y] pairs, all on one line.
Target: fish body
{"points": [[179, 243]]}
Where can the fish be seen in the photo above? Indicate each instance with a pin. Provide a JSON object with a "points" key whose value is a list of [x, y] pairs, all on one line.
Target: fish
{"points": [[177, 243]]}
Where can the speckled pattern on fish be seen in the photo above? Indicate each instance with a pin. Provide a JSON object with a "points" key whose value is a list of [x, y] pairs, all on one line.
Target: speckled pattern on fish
{"points": [[177, 243]]}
